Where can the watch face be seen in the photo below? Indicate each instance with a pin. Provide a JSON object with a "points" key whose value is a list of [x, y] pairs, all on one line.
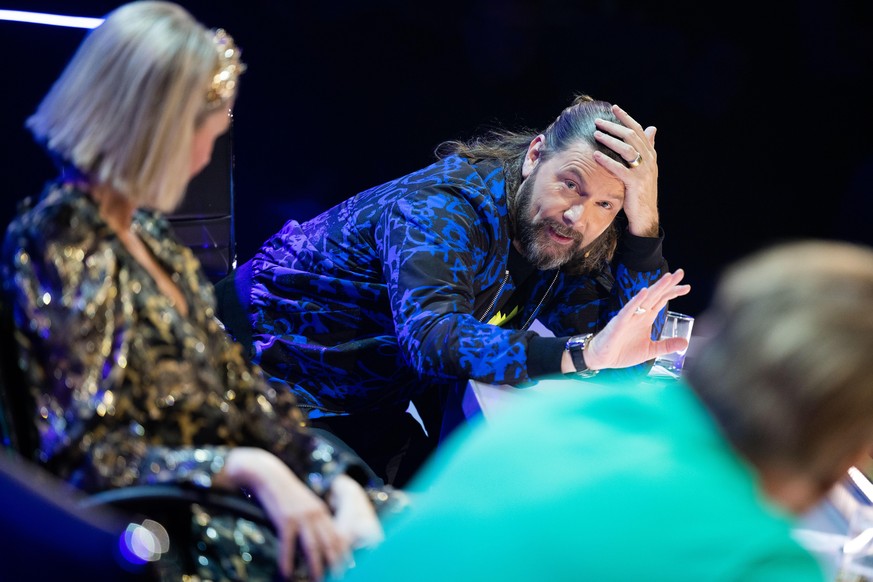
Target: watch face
{"points": [[576, 347], [579, 341]]}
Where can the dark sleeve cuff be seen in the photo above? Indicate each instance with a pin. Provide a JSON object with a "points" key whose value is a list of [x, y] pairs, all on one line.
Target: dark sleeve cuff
{"points": [[388, 500], [330, 457], [544, 355], [641, 253]]}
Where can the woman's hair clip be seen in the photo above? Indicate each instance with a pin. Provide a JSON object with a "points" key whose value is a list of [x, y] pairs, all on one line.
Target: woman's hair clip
{"points": [[230, 67]]}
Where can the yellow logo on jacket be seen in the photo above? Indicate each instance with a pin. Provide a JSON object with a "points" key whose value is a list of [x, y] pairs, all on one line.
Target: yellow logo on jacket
{"points": [[499, 319]]}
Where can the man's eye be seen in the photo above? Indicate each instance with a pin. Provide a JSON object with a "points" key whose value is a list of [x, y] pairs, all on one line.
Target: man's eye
{"points": [[606, 205], [570, 184]]}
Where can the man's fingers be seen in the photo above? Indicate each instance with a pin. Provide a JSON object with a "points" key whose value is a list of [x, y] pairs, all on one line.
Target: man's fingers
{"points": [[670, 345], [675, 276], [667, 287], [637, 302], [656, 297], [668, 280], [673, 293], [626, 118]]}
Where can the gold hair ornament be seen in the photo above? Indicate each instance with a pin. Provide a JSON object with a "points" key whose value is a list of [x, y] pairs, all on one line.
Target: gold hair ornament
{"points": [[230, 67]]}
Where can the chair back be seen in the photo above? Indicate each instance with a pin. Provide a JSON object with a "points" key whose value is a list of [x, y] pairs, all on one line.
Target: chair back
{"points": [[18, 432]]}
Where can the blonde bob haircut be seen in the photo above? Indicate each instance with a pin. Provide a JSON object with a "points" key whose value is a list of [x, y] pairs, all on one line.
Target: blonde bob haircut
{"points": [[125, 108]]}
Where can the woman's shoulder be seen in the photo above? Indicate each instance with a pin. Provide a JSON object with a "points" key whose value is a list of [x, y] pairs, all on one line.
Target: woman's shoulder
{"points": [[63, 215]]}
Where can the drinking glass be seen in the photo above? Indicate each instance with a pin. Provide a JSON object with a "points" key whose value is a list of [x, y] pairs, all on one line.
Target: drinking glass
{"points": [[676, 325]]}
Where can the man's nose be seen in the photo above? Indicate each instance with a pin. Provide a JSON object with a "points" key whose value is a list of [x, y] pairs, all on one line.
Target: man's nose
{"points": [[573, 214]]}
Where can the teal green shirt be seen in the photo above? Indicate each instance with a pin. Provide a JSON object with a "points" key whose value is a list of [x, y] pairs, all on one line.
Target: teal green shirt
{"points": [[590, 483]]}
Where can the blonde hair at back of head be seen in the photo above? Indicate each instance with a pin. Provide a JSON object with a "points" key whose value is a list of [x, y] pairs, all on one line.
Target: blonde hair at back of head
{"points": [[787, 370], [125, 108]]}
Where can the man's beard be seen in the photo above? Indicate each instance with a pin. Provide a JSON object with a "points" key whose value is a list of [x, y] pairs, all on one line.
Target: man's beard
{"points": [[536, 243]]}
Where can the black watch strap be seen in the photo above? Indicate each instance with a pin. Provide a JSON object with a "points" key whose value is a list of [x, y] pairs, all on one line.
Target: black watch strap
{"points": [[576, 346]]}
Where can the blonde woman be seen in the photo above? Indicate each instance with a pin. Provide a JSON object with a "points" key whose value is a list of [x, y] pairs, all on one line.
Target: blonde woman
{"points": [[134, 379]]}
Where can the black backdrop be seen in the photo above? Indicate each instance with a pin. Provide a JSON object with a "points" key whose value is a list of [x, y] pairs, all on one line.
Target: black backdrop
{"points": [[763, 111]]}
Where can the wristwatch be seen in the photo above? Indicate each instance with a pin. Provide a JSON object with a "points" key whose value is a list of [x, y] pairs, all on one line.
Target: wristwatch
{"points": [[576, 345]]}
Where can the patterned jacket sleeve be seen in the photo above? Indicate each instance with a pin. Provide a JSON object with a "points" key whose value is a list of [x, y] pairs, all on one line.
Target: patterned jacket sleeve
{"points": [[435, 247]]}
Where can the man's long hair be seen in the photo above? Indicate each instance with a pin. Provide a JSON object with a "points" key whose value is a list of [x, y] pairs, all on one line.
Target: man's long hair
{"points": [[575, 124]]}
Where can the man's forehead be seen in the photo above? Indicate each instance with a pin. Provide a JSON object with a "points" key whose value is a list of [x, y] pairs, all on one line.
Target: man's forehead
{"points": [[578, 159], [577, 152]]}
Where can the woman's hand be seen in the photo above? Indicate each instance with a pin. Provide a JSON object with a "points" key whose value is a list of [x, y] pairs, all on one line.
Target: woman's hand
{"points": [[354, 516], [296, 512], [627, 338]]}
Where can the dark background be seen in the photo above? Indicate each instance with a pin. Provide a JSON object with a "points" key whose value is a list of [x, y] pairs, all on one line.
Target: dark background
{"points": [[763, 112]]}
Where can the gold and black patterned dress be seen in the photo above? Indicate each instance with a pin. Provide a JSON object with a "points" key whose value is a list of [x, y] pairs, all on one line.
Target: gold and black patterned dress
{"points": [[127, 389]]}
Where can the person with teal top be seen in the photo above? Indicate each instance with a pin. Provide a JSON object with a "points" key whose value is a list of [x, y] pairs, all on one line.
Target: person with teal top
{"points": [[697, 479]]}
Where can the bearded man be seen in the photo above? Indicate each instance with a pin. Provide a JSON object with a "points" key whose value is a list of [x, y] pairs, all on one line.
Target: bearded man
{"points": [[406, 291]]}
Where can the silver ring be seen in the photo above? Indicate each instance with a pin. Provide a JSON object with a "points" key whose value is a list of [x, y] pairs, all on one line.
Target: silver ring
{"points": [[639, 311], [636, 161]]}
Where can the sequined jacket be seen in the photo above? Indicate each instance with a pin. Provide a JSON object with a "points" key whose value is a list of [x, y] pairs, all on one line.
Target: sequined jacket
{"points": [[127, 389], [390, 292]]}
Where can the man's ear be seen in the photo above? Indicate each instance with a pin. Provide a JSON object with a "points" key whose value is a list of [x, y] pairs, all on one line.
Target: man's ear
{"points": [[534, 151]]}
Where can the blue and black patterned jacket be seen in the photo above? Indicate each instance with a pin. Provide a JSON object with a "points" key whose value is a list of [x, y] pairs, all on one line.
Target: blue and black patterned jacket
{"points": [[389, 293]]}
